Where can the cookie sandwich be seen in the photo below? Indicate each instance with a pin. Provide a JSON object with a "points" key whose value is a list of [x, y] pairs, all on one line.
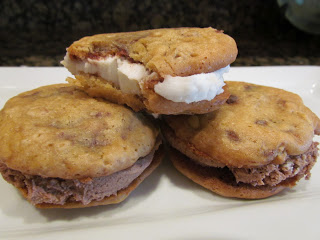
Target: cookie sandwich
{"points": [[162, 71], [64, 149], [257, 144]]}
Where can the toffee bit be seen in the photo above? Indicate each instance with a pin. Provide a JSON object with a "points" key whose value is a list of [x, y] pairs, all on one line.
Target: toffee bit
{"points": [[261, 122], [233, 135]]}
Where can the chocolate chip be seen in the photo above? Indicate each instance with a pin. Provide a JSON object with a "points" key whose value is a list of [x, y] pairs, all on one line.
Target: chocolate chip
{"points": [[282, 102], [262, 122], [96, 142], [31, 95], [124, 136], [233, 135], [232, 99], [100, 114], [248, 87]]}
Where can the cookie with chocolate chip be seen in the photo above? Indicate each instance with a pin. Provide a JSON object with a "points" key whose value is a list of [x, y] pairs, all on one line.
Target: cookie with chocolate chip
{"points": [[258, 143], [64, 149], [162, 71]]}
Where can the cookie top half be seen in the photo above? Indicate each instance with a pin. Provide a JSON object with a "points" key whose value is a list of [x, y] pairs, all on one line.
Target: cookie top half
{"points": [[59, 131], [174, 51], [256, 126]]}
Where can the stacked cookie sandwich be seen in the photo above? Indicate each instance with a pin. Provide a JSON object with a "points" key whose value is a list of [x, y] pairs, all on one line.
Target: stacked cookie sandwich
{"points": [[70, 146], [92, 141], [162, 71]]}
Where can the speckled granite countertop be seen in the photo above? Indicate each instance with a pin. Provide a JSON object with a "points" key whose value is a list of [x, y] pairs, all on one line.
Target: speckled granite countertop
{"points": [[34, 33]]}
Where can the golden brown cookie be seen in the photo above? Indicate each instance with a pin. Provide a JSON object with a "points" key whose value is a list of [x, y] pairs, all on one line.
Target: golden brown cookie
{"points": [[263, 136], [165, 71], [59, 146], [219, 180]]}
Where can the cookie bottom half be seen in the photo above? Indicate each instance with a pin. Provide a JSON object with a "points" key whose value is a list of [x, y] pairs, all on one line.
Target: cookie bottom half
{"points": [[221, 180], [113, 199]]}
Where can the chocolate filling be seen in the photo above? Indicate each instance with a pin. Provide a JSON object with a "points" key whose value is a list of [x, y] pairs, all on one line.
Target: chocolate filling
{"points": [[59, 191], [273, 174]]}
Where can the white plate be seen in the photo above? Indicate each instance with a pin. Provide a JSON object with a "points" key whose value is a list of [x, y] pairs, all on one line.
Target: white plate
{"points": [[167, 205]]}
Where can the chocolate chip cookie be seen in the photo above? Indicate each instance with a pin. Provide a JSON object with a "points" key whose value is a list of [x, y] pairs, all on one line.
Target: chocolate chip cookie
{"points": [[163, 71], [63, 148], [258, 143]]}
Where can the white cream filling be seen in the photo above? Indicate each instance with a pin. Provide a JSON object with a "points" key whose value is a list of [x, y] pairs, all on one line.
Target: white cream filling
{"points": [[124, 75], [129, 78], [195, 88]]}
